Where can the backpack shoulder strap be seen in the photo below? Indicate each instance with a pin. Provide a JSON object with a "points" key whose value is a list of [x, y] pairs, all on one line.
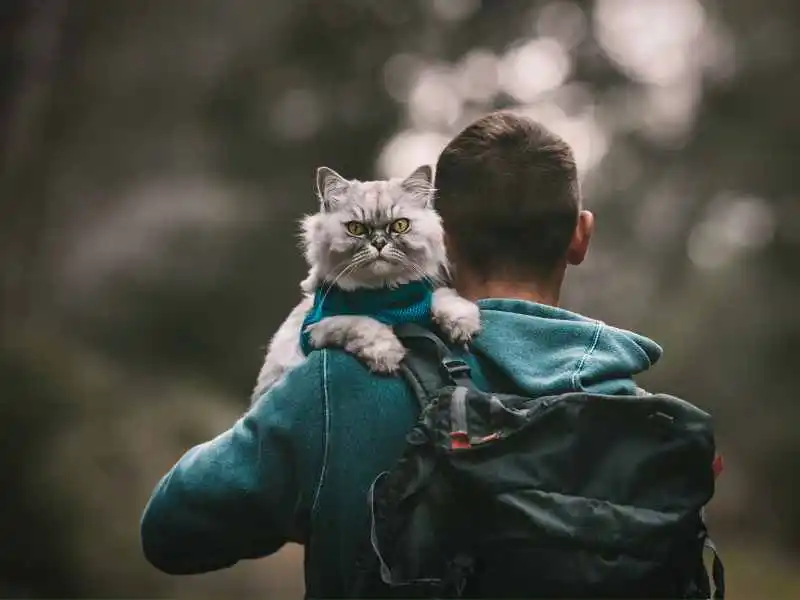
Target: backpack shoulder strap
{"points": [[429, 365], [426, 367]]}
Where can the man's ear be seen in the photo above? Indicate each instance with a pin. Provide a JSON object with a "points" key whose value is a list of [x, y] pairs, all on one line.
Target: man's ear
{"points": [[331, 187], [581, 236]]}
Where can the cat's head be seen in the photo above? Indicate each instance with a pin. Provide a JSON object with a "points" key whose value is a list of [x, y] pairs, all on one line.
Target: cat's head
{"points": [[370, 234]]}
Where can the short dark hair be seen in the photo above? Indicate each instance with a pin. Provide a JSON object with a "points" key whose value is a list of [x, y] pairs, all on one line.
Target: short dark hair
{"points": [[507, 191]]}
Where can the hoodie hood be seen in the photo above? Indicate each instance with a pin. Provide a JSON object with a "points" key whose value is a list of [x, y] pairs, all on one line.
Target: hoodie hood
{"points": [[546, 350]]}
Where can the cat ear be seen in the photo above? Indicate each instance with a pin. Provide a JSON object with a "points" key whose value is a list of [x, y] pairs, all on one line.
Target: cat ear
{"points": [[419, 186], [331, 187]]}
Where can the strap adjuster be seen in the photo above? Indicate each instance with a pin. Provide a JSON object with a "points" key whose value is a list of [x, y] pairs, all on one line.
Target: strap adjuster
{"points": [[455, 367]]}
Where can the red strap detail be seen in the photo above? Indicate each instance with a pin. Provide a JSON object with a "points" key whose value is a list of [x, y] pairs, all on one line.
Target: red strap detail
{"points": [[459, 440], [718, 465]]}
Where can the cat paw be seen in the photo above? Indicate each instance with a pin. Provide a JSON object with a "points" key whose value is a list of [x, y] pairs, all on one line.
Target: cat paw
{"points": [[458, 318], [382, 354], [372, 342]]}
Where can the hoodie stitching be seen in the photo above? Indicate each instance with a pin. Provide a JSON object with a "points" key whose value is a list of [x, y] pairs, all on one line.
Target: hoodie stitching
{"points": [[326, 433], [644, 353], [576, 375]]}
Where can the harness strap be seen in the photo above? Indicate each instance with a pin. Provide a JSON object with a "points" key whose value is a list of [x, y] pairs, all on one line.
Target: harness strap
{"points": [[430, 364]]}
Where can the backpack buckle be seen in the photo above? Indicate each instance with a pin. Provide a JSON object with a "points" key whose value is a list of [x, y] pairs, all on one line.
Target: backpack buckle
{"points": [[456, 367]]}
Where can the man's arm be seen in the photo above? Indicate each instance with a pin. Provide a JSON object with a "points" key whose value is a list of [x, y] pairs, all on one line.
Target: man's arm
{"points": [[248, 491]]}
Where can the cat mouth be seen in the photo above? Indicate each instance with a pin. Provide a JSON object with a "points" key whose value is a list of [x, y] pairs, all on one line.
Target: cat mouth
{"points": [[383, 258], [383, 262], [382, 265]]}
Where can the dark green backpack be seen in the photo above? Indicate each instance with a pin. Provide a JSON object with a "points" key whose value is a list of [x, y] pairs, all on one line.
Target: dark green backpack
{"points": [[571, 496]]}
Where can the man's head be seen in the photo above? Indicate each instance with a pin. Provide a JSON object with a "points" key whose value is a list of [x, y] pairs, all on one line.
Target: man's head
{"points": [[507, 190]]}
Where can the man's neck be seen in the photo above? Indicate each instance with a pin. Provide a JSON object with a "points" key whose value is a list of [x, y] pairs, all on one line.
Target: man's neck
{"points": [[530, 291]]}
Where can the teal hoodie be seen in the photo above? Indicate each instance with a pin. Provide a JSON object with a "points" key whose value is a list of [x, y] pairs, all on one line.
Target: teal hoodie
{"points": [[296, 467]]}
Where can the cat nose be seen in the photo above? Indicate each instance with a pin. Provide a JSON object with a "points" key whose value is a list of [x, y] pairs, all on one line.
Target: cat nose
{"points": [[379, 243]]}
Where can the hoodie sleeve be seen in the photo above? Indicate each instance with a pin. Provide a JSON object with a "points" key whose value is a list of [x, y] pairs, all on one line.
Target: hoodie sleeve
{"points": [[248, 491]]}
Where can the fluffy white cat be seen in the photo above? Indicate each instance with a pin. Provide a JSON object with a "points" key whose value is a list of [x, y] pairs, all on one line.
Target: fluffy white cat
{"points": [[373, 239]]}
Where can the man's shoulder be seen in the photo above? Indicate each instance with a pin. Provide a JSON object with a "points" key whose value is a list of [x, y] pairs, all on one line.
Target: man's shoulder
{"points": [[294, 392], [354, 395], [341, 369], [335, 369]]}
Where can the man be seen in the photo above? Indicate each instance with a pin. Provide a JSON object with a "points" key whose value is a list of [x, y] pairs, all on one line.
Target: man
{"points": [[298, 465]]}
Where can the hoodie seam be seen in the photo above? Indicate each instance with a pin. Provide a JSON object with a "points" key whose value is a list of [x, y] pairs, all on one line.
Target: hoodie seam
{"points": [[326, 416], [576, 375], [645, 354]]}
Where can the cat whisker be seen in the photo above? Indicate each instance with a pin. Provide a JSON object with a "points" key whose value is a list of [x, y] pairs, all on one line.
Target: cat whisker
{"points": [[328, 286], [332, 284], [407, 262], [358, 261], [345, 266]]}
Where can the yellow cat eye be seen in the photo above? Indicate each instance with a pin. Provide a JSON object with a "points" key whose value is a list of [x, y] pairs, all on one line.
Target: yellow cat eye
{"points": [[400, 225], [355, 228]]}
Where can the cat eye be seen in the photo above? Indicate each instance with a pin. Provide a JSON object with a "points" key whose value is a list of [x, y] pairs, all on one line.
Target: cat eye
{"points": [[400, 225], [355, 228]]}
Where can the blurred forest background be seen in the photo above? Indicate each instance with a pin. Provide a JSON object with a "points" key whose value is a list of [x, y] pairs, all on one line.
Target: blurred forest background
{"points": [[155, 156]]}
